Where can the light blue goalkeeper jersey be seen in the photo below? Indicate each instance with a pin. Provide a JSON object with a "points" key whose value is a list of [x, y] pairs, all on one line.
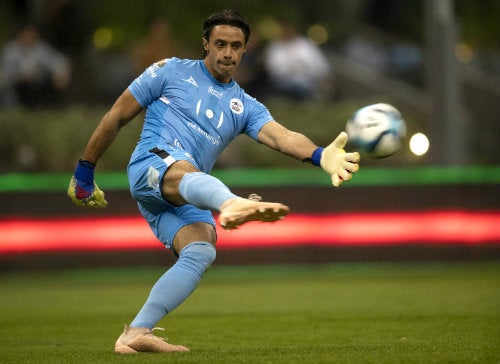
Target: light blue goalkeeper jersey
{"points": [[189, 109]]}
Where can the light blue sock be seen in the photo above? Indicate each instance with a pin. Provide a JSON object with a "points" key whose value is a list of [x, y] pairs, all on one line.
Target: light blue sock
{"points": [[204, 191], [176, 284]]}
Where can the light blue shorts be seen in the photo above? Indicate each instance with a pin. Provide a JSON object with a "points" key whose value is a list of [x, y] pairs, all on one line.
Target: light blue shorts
{"points": [[145, 173]]}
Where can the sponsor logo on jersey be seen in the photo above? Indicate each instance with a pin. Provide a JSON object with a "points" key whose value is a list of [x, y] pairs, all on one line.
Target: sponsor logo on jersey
{"points": [[213, 140], [214, 92], [236, 106]]}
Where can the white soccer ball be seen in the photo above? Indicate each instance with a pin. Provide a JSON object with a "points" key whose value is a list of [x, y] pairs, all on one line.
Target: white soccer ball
{"points": [[377, 130]]}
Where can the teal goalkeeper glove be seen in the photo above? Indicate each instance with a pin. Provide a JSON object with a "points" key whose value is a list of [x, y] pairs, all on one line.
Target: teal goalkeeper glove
{"points": [[335, 161], [82, 190]]}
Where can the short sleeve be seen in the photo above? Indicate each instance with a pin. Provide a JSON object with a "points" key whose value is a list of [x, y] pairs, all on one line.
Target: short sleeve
{"points": [[258, 116], [149, 85]]}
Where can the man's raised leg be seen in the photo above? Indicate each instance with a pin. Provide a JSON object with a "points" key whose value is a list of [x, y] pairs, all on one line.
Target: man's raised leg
{"points": [[207, 192]]}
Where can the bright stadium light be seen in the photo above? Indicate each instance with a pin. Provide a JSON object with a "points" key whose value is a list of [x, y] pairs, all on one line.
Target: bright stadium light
{"points": [[102, 38], [419, 144], [268, 28], [318, 34]]}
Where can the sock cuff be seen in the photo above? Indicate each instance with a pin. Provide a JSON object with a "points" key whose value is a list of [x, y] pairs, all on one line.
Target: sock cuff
{"points": [[199, 247], [204, 191]]}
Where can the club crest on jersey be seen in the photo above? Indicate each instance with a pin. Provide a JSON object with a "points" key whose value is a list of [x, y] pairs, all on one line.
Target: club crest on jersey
{"points": [[236, 106], [155, 66], [161, 63]]}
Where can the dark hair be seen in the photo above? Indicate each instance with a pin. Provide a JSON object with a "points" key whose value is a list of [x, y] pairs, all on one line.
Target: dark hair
{"points": [[225, 17]]}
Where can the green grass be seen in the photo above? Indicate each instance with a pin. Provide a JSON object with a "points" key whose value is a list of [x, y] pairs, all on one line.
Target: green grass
{"points": [[342, 313]]}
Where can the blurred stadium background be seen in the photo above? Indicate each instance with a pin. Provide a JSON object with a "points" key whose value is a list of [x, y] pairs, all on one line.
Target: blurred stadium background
{"points": [[437, 61]]}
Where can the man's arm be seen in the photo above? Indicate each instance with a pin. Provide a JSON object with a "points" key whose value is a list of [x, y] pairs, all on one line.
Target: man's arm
{"points": [[124, 110], [333, 159], [277, 137], [82, 189]]}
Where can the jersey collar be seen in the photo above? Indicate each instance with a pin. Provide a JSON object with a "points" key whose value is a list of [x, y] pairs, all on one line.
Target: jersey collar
{"points": [[213, 79]]}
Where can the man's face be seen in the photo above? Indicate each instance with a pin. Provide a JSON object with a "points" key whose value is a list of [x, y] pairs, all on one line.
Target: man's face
{"points": [[224, 51]]}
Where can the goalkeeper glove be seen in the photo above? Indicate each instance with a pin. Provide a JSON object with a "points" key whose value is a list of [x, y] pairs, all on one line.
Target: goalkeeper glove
{"points": [[82, 190], [335, 161]]}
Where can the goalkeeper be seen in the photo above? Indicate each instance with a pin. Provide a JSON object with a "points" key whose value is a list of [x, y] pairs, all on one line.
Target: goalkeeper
{"points": [[194, 109]]}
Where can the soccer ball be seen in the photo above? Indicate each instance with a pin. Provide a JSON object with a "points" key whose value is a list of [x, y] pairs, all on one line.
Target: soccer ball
{"points": [[377, 130]]}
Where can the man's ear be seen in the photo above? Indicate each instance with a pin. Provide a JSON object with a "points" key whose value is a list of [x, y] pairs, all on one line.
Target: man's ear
{"points": [[205, 43]]}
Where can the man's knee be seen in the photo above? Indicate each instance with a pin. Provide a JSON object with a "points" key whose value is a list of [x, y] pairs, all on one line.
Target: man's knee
{"points": [[198, 256], [198, 231]]}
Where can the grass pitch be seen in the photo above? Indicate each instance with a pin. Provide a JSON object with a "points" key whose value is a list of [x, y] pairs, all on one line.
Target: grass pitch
{"points": [[342, 313]]}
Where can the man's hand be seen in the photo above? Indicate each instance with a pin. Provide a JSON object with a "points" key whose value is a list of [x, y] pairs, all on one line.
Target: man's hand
{"points": [[337, 163], [82, 190]]}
